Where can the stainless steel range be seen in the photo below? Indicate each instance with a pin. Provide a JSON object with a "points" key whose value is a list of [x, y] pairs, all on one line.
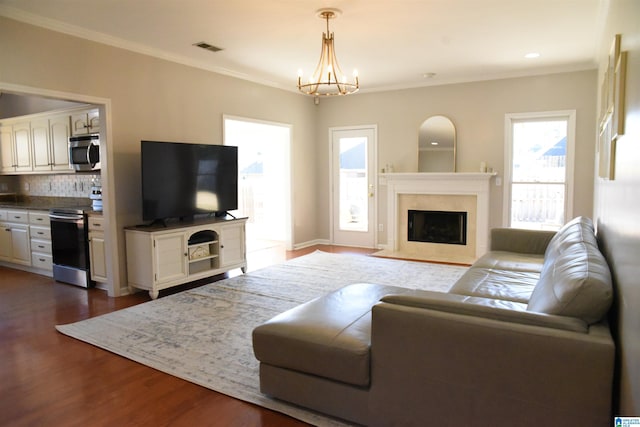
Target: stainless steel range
{"points": [[70, 247]]}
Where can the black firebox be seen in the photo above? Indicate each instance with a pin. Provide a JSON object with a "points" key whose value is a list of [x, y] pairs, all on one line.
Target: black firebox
{"points": [[438, 227]]}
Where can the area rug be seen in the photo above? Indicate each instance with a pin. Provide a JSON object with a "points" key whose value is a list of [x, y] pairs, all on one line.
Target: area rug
{"points": [[203, 335]]}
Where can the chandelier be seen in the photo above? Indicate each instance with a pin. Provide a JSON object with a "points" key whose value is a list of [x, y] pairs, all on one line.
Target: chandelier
{"points": [[328, 79]]}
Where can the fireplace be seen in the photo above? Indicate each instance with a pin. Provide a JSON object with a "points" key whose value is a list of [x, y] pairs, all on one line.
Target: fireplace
{"points": [[437, 227], [438, 192]]}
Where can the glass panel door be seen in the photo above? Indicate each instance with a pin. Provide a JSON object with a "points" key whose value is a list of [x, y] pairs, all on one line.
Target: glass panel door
{"points": [[353, 161]]}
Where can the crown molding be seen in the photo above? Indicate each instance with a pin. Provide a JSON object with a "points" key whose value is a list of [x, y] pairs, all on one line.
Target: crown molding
{"points": [[102, 38]]}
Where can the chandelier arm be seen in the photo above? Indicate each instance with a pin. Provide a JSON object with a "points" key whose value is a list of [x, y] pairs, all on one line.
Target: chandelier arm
{"points": [[336, 82]]}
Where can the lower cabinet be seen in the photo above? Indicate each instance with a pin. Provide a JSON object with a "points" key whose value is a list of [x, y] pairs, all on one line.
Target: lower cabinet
{"points": [[97, 250], [15, 244], [40, 232], [162, 257]]}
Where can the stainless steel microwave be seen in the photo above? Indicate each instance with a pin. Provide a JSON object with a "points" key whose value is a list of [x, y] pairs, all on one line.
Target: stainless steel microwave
{"points": [[84, 152]]}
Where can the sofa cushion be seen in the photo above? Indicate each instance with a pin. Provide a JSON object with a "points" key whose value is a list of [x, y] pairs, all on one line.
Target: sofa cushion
{"points": [[329, 336], [578, 230], [506, 285], [575, 279], [514, 261]]}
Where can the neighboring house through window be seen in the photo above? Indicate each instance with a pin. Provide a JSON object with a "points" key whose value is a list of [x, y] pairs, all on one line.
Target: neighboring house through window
{"points": [[539, 157]]}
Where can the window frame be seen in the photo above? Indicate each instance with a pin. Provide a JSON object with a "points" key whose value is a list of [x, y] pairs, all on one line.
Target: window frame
{"points": [[510, 119]]}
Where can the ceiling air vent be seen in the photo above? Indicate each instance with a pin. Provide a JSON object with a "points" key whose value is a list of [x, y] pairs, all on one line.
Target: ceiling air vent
{"points": [[207, 46]]}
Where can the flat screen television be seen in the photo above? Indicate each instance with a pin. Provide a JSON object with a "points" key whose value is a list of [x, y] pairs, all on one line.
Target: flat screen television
{"points": [[182, 180]]}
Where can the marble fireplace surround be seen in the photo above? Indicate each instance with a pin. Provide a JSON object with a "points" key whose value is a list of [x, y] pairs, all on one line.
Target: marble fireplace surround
{"points": [[468, 192]]}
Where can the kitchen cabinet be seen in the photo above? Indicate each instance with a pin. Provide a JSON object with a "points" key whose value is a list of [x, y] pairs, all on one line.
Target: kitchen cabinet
{"points": [[22, 147], [97, 252], [14, 237], [60, 131], [162, 257], [40, 233], [49, 142], [6, 148], [38, 143], [85, 122]]}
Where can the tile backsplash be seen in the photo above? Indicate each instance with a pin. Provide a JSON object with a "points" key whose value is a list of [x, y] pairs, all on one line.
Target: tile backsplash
{"points": [[71, 185]]}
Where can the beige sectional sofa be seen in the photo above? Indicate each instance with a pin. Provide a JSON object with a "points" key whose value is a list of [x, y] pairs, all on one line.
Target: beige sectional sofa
{"points": [[520, 339]]}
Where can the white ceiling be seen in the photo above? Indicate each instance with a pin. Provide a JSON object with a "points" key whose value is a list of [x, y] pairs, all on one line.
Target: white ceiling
{"points": [[392, 43]]}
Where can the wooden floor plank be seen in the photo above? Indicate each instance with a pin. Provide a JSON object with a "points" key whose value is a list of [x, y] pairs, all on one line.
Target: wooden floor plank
{"points": [[47, 378]]}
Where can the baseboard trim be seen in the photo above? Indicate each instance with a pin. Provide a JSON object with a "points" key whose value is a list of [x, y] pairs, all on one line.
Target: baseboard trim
{"points": [[311, 243], [27, 268]]}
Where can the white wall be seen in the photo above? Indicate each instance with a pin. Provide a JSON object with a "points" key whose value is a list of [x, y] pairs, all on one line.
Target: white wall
{"points": [[155, 99], [477, 110], [617, 209], [158, 100]]}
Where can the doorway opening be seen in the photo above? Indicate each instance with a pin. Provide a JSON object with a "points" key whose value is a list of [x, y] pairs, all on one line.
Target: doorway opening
{"points": [[116, 285], [264, 183]]}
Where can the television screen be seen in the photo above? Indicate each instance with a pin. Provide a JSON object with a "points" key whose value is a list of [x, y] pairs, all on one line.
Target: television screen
{"points": [[181, 180]]}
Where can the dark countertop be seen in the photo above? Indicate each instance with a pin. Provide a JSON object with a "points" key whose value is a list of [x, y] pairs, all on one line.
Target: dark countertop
{"points": [[13, 201]]}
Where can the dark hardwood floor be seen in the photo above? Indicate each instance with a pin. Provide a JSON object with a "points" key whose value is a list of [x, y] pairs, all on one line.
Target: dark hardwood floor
{"points": [[49, 379]]}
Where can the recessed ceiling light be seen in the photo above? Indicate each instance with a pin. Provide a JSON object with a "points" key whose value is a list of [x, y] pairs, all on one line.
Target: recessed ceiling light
{"points": [[532, 55], [434, 143]]}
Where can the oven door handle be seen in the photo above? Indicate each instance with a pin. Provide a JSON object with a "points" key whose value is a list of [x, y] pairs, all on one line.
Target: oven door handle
{"points": [[66, 218]]}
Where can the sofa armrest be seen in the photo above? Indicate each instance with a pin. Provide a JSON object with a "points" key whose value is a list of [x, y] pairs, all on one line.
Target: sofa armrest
{"points": [[487, 308], [521, 241], [455, 369]]}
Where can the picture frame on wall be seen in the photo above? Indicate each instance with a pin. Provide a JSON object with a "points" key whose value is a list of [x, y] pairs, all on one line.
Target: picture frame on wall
{"points": [[606, 150], [612, 96], [614, 53], [619, 95], [604, 87]]}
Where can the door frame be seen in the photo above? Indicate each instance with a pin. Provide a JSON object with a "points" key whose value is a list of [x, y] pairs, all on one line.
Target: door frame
{"points": [[289, 220], [114, 243], [374, 178]]}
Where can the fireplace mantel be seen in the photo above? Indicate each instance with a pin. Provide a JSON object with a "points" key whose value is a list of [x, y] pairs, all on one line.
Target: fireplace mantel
{"points": [[435, 176], [438, 184]]}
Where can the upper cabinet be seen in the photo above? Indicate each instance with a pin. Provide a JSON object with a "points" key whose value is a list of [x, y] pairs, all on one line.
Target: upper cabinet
{"points": [[59, 131], [15, 147], [39, 143], [22, 144], [6, 148], [85, 122]]}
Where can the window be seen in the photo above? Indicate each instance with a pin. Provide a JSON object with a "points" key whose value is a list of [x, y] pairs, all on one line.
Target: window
{"points": [[539, 169]]}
